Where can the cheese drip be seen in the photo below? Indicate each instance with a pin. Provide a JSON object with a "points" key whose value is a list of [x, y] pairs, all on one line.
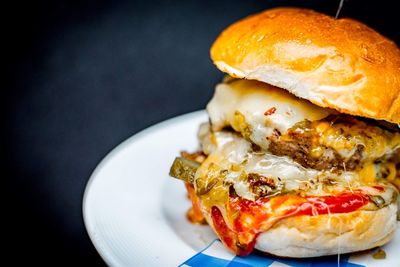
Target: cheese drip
{"points": [[263, 114], [244, 101], [231, 159]]}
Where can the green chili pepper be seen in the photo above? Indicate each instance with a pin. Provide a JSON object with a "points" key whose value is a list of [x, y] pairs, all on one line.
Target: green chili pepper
{"points": [[184, 169]]}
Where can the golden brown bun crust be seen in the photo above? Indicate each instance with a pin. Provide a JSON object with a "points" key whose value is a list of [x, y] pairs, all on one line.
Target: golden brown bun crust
{"points": [[336, 63]]}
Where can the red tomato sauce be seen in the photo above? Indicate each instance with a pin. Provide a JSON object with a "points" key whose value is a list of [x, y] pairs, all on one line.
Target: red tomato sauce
{"points": [[249, 216]]}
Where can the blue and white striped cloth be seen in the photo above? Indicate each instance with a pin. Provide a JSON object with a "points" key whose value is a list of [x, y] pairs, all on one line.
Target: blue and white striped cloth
{"points": [[215, 255]]}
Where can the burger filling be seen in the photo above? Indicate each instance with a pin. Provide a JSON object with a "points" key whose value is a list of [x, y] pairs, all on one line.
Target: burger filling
{"points": [[316, 137], [267, 155]]}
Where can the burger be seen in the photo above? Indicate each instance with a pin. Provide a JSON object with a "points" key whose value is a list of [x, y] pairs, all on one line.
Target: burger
{"points": [[301, 154]]}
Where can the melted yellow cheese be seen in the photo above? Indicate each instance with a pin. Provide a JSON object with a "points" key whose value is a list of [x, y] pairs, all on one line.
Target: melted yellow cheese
{"points": [[345, 138]]}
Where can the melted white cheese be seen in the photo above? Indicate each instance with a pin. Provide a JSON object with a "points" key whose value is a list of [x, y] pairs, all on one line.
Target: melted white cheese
{"points": [[256, 109], [252, 99], [228, 151]]}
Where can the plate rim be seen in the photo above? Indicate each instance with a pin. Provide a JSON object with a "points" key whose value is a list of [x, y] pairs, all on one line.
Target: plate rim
{"points": [[105, 159]]}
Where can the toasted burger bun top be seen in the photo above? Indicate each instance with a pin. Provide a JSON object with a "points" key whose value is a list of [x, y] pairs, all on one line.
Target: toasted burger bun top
{"points": [[336, 63]]}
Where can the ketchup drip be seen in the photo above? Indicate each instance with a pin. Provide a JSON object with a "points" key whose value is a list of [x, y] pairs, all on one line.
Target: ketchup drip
{"points": [[251, 215], [343, 203], [229, 237]]}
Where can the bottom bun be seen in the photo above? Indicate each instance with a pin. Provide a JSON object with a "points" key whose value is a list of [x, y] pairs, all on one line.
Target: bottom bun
{"points": [[312, 236]]}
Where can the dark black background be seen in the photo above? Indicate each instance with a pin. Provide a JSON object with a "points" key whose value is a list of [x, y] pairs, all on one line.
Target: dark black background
{"points": [[82, 76]]}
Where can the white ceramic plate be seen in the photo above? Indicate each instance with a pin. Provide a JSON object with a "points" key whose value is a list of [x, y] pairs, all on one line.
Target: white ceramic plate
{"points": [[135, 213]]}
